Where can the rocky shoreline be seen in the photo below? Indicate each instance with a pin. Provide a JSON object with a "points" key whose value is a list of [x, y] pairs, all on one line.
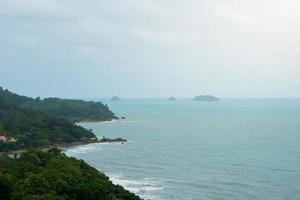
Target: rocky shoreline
{"points": [[103, 140], [67, 145]]}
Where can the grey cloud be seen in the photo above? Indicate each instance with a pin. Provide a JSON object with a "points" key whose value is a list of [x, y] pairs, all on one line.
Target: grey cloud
{"points": [[207, 45]]}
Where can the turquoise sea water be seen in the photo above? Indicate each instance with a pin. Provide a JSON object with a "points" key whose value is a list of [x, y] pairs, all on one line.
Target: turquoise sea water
{"points": [[233, 149]]}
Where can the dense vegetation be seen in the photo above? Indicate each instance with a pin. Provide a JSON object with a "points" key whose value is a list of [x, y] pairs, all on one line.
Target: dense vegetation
{"points": [[34, 128], [74, 110], [40, 123], [54, 176], [35, 123]]}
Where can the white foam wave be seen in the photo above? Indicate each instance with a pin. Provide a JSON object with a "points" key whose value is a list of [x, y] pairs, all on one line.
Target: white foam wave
{"points": [[109, 122], [118, 121], [128, 121], [145, 187], [83, 149]]}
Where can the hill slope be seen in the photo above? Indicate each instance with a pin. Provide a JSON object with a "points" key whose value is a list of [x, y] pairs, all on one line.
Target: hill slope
{"points": [[74, 110], [34, 128], [41, 123], [54, 176]]}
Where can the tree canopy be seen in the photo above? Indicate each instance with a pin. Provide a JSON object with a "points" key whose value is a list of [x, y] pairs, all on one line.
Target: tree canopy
{"points": [[74, 110], [54, 176], [40, 123]]}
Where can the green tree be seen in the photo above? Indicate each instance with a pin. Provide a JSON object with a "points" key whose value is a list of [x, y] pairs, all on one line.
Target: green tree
{"points": [[1, 128], [35, 138], [5, 188], [35, 184], [54, 176]]}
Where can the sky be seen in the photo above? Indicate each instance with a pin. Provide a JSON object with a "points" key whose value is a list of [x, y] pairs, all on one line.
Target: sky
{"points": [[150, 48]]}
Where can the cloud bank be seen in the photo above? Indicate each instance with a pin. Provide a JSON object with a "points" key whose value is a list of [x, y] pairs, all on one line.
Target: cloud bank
{"points": [[150, 48]]}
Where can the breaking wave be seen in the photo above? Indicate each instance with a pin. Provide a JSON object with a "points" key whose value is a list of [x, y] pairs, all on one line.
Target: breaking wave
{"points": [[83, 149], [145, 187]]}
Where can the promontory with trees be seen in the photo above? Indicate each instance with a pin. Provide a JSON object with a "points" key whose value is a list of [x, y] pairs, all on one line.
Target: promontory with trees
{"points": [[27, 122], [32, 124]]}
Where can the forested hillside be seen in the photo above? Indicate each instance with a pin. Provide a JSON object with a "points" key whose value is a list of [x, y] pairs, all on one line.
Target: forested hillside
{"points": [[33, 128], [74, 110], [51, 175], [26, 122]]}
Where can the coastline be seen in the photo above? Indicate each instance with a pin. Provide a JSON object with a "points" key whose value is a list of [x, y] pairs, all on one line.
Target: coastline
{"points": [[60, 146], [96, 121], [105, 140]]}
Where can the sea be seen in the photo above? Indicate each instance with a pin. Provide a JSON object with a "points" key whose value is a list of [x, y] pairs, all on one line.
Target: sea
{"points": [[234, 149]]}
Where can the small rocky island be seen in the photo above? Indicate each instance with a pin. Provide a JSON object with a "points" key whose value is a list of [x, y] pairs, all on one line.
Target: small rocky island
{"points": [[109, 140], [115, 98], [171, 99], [205, 98]]}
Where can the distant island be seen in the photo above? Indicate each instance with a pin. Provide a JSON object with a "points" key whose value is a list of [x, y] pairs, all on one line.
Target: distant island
{"points": [[172, 99], [115, 98], [109, 140], [205, 98]]}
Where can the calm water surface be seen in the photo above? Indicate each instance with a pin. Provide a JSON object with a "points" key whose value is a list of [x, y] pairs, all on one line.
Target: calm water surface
{"points": [[234, 149]]}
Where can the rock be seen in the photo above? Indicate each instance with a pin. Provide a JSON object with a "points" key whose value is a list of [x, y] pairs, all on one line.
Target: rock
{"points": [[205, 98], [113, 140], [172, 99], [115, 98], [123, 117]]}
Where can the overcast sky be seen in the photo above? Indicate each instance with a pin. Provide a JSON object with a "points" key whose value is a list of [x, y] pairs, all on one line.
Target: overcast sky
{"points": [[150, 48]]}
